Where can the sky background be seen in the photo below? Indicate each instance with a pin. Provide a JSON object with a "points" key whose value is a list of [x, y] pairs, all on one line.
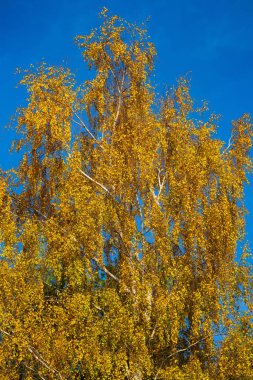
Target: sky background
{"points": [[213, 40]]}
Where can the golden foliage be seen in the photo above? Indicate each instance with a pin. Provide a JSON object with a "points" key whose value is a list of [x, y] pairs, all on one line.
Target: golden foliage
{"points": [[119, 243]]}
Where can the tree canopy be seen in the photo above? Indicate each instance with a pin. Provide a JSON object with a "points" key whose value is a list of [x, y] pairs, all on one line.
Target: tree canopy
{"points": [[119, 229]]}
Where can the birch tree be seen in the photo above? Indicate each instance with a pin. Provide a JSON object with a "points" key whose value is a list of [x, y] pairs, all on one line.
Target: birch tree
{"points": [[120, 228]]}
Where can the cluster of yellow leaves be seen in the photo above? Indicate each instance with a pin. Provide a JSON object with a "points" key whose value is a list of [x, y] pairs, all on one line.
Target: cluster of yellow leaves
{"points": [[118, 246]]}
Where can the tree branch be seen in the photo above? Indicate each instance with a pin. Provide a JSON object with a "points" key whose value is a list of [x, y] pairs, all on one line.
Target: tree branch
{"points": [[82, 124], [102, 266], [184, 349], [230, 142], [38, 357], [94, 181], [119, 101]]}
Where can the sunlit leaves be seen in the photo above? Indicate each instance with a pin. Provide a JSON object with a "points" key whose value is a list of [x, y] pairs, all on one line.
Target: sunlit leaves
{"points": [[119, 238]]}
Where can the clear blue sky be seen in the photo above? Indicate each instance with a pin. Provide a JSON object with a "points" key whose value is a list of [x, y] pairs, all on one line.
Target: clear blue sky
{"points": [[211, 39]]}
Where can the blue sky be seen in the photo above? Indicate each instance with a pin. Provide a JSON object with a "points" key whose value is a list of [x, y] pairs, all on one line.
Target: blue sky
{"points": [[210, 39]]}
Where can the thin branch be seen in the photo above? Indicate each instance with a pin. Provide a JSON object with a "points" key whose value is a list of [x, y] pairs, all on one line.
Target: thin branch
{"points": [[155, 197], [119, 101], [40, 358], [37, 356], [5, 332], [98, 308], [230, 142], [184, 349], [153, 333], [126, 252], [94, 181], [161, 186], [102, 266], [187, 348], [82, 124], [33, 370], [117, 113], [161, 183], [107, 271]]}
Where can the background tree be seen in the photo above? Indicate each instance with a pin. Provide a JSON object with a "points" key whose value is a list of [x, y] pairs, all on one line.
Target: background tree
{"points": [[119, 243]]}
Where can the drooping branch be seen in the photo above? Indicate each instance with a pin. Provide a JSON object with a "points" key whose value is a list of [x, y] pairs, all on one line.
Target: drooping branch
{"points": [[183, 350], [82, 124], [94, 181], [120, 89], [40, 358], [37, 356], [102, 266]]}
